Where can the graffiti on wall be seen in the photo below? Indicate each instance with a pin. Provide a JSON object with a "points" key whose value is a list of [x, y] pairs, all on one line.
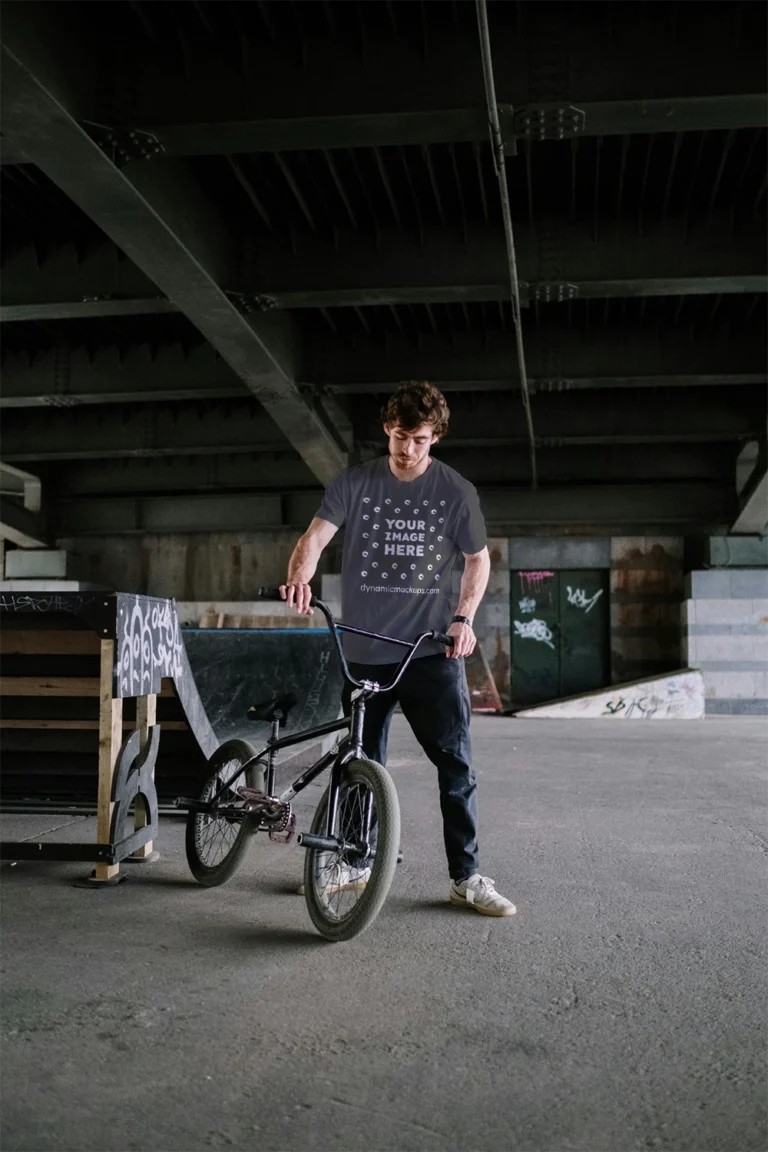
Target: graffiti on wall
{"points": [[534, 581], [578, 597], [527, 606], [675, 699], [534, 630]]}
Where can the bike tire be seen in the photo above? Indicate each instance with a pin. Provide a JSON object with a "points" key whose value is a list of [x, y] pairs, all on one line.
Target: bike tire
{"points": [[235, 753], [368, 906]]}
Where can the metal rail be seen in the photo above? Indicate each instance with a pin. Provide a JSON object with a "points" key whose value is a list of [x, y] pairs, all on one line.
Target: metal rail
{"points": [[497, 147]]}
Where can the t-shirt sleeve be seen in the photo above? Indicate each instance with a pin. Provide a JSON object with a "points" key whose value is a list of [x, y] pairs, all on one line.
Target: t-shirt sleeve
{"points": [[334, 504], [470, 533]]}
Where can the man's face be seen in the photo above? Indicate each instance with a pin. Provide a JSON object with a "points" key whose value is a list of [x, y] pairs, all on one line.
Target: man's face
{"points": [[408, 448]]}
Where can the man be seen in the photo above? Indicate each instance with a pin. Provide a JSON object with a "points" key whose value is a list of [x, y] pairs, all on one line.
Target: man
{"points": [[406, 518]]}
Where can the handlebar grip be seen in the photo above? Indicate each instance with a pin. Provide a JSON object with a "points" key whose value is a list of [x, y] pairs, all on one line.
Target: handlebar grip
{"points": [[268, 594], [274, 594], [441, 638]]}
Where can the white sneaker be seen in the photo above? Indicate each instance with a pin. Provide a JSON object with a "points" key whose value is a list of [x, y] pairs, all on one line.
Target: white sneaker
{"points": [[343, 878], [479, 893]]}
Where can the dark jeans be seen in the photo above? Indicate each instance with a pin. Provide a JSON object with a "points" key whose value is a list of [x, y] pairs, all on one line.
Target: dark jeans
{"points": [[434, 697]]}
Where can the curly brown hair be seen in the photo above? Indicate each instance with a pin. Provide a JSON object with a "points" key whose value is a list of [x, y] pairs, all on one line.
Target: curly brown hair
{"points": [[417, 402]]}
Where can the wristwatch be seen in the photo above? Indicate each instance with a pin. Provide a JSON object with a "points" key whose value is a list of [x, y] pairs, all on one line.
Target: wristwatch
{"points": [[462, 620]]}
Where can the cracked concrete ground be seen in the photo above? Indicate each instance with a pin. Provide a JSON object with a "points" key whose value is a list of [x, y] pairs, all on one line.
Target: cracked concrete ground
{"points": [[623, 1008]]}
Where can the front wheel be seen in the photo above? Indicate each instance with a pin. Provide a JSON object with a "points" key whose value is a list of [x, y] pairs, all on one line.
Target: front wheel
{"points": [[216, 844], [345, 894]]}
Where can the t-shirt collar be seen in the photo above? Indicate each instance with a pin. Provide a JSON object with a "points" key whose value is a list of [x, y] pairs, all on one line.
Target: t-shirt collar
{"points": [[407, 483]]}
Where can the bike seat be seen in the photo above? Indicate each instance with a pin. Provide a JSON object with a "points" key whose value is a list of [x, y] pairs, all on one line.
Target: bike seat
{"points": [[276, 708]]}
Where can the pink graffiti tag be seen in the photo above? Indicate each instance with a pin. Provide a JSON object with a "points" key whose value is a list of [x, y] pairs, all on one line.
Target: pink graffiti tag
{"points": [[533, 581]]}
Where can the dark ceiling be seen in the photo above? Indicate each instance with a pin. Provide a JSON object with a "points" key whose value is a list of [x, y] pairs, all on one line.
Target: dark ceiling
{"points": [[228, 229]]}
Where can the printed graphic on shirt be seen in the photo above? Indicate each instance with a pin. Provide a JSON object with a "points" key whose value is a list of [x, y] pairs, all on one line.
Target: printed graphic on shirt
{"points": [[402, 545], [401, 542]]}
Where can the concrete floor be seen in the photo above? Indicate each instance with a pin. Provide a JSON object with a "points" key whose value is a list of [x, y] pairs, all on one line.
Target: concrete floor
{"points": [[624, 1007]]}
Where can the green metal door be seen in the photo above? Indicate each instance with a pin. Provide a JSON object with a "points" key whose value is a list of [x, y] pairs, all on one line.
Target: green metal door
{"points": [[560, 634]]}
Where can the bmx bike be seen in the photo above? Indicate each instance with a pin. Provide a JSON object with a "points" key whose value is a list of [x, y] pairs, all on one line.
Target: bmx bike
{"points": [[354, 839]]}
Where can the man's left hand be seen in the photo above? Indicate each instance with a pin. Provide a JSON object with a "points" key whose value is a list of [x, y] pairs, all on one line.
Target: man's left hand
{"points": [[464, 640]]}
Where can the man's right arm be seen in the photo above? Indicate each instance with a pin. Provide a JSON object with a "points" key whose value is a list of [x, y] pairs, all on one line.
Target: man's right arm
{"points": [[303, 564]]}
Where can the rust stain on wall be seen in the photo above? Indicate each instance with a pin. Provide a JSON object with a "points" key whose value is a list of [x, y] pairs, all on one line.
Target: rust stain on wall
{"points": [[646, 592]]}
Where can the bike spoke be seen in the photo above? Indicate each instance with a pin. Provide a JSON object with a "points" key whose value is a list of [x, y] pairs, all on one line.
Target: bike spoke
{"points": [[332, 867], [215, 835]]}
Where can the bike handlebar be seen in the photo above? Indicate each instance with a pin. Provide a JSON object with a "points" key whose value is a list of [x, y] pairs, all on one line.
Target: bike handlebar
{"points": [[439, 637]]}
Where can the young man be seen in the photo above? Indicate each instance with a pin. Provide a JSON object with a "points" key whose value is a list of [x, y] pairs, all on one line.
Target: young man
{"points": [[406, 518]]}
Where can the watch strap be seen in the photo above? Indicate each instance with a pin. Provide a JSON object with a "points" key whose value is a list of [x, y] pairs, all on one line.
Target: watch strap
{"points": [[461, 620]]}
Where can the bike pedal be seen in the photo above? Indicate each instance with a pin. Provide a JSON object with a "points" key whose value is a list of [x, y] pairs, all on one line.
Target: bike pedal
{"points": [[253, 795]]}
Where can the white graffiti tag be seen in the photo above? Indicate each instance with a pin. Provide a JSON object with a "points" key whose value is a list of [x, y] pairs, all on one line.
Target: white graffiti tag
{"points": [[578, 597], [527, 605], [534, 630]]}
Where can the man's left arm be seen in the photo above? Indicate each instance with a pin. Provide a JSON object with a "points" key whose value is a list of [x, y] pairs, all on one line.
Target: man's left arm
{"points": [[474, 581]]}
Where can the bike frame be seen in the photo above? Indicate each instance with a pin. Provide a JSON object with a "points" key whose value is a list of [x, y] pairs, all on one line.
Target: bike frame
{"points": [[350, 748]]}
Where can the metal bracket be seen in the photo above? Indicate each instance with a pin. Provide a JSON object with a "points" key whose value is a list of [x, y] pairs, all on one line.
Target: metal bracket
{"points": [[552, 384], [550, 292], [549, 122], [508, 132], [124, 144], [246, 303]]}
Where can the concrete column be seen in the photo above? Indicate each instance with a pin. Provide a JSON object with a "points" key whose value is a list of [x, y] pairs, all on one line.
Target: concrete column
{"points": [[646, 592]]}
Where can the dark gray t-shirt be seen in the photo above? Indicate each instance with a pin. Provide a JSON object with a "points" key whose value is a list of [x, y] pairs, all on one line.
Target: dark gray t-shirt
{"points": [[401, 542]]}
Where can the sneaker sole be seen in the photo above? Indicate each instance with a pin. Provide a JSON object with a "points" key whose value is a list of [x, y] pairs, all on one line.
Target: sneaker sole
{"points": [[460, 902]]}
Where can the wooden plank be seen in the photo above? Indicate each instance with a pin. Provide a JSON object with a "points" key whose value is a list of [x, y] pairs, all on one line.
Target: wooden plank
{"points": [[87, 725], [48, 643], [110, 736], [146, 717], [57, 685], [49, 685]]}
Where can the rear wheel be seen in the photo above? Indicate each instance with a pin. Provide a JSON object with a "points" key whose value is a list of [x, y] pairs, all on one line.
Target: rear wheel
{"points": [[216, 844], [345, 893]]}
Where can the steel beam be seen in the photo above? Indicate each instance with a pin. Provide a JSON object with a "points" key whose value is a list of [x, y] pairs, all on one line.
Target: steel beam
{"points": [[216, 427], [557, 357], [198, 102], [9, 153], [87, 309], [65, 285], [752, 517], [456, 125], [568, 383], [160, 430], [276, 471], [556, 262], [664, 416], [24, 528], [353, 271], [157, 216], [65, 377], [612, 507], [635, 508]]}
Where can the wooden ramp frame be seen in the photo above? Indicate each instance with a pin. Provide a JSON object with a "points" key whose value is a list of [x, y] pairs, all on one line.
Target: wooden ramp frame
{"points": [[141, 655]]}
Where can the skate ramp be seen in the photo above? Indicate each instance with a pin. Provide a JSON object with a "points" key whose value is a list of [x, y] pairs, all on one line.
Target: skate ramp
{"points": [[673, 696]]}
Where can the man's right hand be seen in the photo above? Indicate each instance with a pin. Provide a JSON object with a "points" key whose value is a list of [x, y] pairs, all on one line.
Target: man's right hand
{"points": [[298, 596]]}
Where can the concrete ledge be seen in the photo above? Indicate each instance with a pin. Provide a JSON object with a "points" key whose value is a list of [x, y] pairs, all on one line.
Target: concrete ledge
{"points": [[727, 584], [674, 696], [736, 707]]}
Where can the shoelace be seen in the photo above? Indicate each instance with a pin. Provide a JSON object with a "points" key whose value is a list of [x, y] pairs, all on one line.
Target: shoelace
{"points": [[486, 885]]}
